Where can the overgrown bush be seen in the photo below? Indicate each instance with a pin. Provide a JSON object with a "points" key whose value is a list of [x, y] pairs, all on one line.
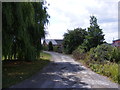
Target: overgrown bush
{"points": [[45, 48], [104, 52], [79, 53], [50, 46], [55, 48], [115, 54]]}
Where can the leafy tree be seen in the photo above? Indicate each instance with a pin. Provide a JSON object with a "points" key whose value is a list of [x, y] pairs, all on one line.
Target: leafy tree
{"points": [[23, 27], [41, 19], [50, 46], [73, 39], [95, 35]]}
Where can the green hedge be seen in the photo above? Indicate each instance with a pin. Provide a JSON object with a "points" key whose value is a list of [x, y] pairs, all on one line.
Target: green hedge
{"points": [[79, 53], [105, 52]]}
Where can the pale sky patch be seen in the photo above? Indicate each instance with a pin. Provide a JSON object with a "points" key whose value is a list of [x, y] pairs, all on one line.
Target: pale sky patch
{"points": [[69, 14]]}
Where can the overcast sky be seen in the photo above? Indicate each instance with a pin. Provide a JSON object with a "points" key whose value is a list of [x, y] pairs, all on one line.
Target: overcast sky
{"points": [[70, 14]]}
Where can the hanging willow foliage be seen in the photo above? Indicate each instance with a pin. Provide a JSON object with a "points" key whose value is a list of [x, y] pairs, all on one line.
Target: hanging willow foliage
{"points": [[23, 26]]}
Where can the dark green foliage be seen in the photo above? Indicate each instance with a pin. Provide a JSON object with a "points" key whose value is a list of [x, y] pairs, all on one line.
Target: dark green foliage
{"points": [[79, 53], [55, 48], [22, 33], [101, 53], [50, 46], [45, 48], [95, 35], [73, 39], [105, 53], [87, 39], [115, 54]]}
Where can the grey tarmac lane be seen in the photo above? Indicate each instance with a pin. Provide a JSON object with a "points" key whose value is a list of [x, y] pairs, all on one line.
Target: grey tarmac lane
{"points": [[65, 72]]}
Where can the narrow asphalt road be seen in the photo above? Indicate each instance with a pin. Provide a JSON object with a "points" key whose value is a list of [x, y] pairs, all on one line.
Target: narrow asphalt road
{"points": [[64, 72]]}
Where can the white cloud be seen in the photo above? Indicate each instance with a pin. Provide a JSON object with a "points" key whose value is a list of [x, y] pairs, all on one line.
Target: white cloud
{"points": [[70, 14]]}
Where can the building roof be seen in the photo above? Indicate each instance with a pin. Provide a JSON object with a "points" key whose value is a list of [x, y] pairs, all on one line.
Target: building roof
{"points": [[59, 42], [54, 41], [116, 40]]}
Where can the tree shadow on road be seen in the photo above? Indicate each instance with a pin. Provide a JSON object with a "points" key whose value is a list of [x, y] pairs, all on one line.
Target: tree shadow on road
{"points": [[56, 75], [63, 75]]}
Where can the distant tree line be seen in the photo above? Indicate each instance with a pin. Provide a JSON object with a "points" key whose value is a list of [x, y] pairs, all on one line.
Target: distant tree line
{"points": [[86, 38], [23, 26]]}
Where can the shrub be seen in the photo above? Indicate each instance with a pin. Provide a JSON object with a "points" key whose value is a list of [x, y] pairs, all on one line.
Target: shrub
{"points": [[115, 54], [45, 48], [79, 53], [55, 48], [50, 46], [100, 54], [104, 52]]}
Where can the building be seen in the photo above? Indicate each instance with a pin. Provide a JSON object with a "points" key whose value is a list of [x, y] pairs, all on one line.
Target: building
{"points": [[56, 43], [116, 43], [46, 42]]}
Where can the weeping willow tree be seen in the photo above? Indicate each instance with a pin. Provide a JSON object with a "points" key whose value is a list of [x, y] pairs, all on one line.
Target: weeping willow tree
{"points": [[23, 26]]}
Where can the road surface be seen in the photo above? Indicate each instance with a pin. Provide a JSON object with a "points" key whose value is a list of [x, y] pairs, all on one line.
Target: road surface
{"points": [[64, 72]]}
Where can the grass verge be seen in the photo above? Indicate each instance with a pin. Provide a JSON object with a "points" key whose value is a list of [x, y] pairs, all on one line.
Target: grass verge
{"points": [[15, 71], [108, 69]]}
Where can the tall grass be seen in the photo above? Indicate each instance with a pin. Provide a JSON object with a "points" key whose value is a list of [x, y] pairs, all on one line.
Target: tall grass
{"points": [[109, 69]]}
